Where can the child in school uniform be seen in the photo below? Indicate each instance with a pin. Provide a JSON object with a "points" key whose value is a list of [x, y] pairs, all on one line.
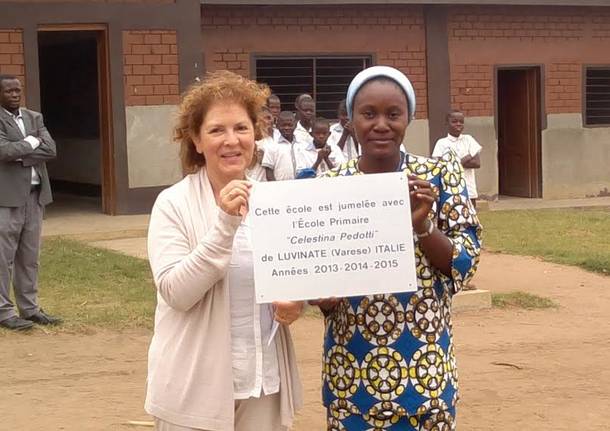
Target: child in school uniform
{"points": [[318, 156], [466, 147], [306, 110], [275, 106], [256, 171], [342, 134], [279, 160]]}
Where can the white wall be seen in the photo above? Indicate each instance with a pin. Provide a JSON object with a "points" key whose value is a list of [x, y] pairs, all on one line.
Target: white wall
{"points": [[484, 131], [153, 158], [575, 160], [417, 139]]}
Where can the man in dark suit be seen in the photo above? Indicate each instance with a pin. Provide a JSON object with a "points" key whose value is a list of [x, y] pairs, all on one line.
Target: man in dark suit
{"points": [[25, 146]]}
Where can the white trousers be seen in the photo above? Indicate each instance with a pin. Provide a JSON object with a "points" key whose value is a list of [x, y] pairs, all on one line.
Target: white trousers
{"points": [[253, 414]]}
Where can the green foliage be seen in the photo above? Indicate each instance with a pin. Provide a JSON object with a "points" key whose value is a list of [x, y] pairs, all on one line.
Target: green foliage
{"points": [[521, 300]]}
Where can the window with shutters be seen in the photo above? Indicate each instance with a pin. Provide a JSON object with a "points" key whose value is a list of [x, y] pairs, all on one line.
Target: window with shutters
{"points": [[326, 78], [597, 96]]}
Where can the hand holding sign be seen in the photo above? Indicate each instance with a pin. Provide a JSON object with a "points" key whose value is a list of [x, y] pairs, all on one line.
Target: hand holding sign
{"points": [[234, 197], [422, 198], [287, 312]]}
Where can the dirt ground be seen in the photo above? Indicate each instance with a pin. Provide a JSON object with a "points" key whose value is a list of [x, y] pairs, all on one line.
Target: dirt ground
{"points": [[560, 379]]}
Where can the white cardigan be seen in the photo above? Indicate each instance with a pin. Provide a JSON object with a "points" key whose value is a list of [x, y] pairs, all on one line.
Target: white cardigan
{"points": [[190, 379]]}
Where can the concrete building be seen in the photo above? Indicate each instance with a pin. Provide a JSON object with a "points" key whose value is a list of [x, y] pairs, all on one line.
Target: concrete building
{"points": [[107, 75], [532, 76]]}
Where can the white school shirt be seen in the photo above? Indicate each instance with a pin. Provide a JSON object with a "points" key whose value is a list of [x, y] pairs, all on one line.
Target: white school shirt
{"points": [[266, 142], [281, 158], [34, 142], [307, 155], [302, 135], [257, 172], [463, 145], [350, 151], [255, 363], [276, 134]]}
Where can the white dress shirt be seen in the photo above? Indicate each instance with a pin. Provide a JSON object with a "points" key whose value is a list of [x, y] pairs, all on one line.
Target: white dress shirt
{"points": [[255, 362], [463, 145], [307, 155], [281, 158], [257, 172], [350, 151], [34, 142], [302, 135]]}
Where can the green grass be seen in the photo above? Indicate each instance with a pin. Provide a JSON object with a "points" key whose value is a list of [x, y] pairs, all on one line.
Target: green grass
{"points": [[521, 300], [91, 287], [579, 237]]}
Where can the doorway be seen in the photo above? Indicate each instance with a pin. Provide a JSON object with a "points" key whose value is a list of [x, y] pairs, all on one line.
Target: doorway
{"points": [[519, 131], [75, 101]]}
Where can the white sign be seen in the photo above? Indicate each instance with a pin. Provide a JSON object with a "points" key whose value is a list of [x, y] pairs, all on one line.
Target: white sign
{"points": [[343, 236]]}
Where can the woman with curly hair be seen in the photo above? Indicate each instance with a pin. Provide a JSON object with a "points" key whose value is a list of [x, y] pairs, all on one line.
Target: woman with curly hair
{"points": [[213, 362], [389, 361]]}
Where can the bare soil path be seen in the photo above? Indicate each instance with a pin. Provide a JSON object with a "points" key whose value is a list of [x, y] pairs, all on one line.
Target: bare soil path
{"points": [[556, 374]]}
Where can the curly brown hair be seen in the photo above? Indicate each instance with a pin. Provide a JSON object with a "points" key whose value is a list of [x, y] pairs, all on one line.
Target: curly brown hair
{"points": [[216, 86]]}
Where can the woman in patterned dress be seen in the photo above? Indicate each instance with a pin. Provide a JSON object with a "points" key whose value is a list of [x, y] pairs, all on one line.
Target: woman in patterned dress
{"points": [[389, 360]]}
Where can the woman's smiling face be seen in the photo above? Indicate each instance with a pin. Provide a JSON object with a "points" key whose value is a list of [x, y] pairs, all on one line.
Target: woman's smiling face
{"points": [[380, 118], [226, 140]]}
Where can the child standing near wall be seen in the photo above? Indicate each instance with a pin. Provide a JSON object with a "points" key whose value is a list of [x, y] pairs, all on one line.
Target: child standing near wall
{"points": [[275, 106], [306, 110], [279, 160], [465, 146], [342, 134]]}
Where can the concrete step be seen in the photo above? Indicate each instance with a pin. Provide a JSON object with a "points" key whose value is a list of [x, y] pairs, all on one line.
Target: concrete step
{"points": [[95, 236], [471, 300], [511, 203], [131, 246], [482, 205]]}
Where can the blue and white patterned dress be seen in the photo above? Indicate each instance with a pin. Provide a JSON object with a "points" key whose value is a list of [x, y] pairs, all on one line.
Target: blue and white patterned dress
{"points": [[389, 361]]}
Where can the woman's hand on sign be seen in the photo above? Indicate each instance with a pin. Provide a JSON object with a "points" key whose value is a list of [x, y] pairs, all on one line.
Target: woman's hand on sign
{"points": [[422, 198], [288, 311], [234, 197]]}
